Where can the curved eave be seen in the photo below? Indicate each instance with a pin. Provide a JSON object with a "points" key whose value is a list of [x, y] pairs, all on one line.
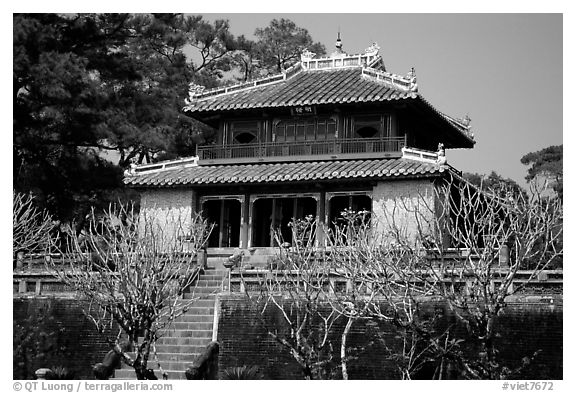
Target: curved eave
{"points": [[275, 173], [461, 139]]}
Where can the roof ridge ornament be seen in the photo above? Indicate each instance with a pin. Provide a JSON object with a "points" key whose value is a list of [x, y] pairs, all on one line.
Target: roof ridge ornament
{"points": [[194, 90], [307, 55], [441, 160], [412, 78], [465, 120], [372, 50]]}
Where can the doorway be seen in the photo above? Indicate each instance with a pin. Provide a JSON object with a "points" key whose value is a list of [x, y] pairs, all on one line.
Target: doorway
{"points": [[225, 214], [338, 203], [271, 218]]}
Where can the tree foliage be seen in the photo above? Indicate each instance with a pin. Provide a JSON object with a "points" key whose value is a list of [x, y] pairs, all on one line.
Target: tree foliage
{"points": [[84, 84], [88, 83], [280, 44], [495, 182], [547, 163]]}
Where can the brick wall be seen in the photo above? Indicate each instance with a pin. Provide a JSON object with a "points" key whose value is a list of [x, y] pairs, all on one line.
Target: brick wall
{"points": [[527, 325], [395, 204], [62, 332], [524, 328]]}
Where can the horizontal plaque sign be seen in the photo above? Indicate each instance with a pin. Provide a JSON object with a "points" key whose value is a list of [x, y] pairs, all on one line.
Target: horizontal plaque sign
{"points": [[305, 110]]}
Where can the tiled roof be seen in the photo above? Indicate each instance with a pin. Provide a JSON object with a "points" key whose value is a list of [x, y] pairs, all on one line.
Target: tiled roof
{"points": [[284, 172], [343, 85]]}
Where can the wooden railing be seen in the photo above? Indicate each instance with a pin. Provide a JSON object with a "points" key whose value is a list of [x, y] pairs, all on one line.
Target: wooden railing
{"points": [[302, 148]]}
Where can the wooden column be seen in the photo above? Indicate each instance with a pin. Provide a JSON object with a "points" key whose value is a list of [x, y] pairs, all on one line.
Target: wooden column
{"points": [[244, 219], [250, 219], [273, 223], [321, 221], [221, 224]]}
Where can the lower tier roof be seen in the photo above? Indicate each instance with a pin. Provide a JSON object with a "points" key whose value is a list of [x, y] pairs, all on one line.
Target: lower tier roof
{"points": [[260, 173]]}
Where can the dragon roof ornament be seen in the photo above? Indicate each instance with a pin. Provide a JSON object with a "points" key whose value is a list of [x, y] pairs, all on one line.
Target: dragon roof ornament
{"points": [[372, 50], [307, 55], [193, 91]]}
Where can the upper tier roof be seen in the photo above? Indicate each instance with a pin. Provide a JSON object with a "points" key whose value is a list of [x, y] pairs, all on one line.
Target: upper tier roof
{"points": [[340, 79], [331, 86]]}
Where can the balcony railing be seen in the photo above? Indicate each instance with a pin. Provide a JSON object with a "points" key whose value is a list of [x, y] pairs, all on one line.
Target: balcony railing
{"points": [[302, 148]]}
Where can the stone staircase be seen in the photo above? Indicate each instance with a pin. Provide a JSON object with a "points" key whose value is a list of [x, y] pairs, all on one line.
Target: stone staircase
{"points": [[189, 334]]}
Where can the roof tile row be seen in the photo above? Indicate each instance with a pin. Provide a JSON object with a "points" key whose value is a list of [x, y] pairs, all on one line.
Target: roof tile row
{"points": [[283, 172], [305, 88]]}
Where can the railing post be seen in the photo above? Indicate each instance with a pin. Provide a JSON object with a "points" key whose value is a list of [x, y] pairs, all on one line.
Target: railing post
{"points": [[20, 260]]}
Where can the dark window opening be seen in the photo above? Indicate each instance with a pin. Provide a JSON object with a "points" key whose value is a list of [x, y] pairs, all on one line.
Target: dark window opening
{"points": [[225, 215], [300, 130], [340, 203], [367, 132], [244, 137], [272, 216]]}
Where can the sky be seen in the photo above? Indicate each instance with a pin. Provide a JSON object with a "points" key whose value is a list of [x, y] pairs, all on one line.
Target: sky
{"points": [[502, 70]]}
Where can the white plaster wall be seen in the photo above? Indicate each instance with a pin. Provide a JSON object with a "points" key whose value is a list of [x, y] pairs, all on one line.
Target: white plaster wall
{"points": [[407, 206], [169, 208]]}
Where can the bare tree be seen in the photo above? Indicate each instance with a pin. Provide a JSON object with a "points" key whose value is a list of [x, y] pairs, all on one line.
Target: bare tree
{"points": [[293, 288], [465, 247], [496, 238], [133, 270], [384, 285], [31, 226]]}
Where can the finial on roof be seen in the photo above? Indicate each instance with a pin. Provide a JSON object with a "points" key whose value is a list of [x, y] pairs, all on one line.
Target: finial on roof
{"points": [[338, 45]]}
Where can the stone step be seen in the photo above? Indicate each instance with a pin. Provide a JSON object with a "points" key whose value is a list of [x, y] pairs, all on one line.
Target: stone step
{"points": [[170, 360], [194, 341], [220, 251], [129, 374], [192, 319], [185, 333], [208, 283], [199, 311], [213, 275], [207, 301], [201, 292], [192, 326], [188, 349]]}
